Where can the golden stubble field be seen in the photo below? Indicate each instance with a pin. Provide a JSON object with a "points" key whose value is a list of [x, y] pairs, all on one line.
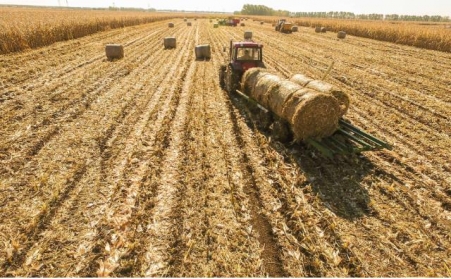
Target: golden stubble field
{"points": [[145, 167]]}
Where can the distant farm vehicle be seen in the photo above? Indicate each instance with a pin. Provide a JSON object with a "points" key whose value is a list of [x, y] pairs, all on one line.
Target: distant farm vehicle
{"points": [[283, 26]]}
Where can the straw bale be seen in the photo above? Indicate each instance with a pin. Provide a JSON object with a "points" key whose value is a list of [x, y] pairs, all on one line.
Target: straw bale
{"points": [[318, 29], [323, 30], [301, 79], [250, 79], [312, 114], [114, 51], [341, 34], [324, 87], [247, 35], [202, 51], [279, 94], [265, 83], [242, 24], [294, 29], [261, 22], [170, 24], [188, 24], [215, 25], [169, 42]]}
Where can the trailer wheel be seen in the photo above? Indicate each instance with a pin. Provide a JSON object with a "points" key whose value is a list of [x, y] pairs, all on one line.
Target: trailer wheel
{"points": [[280, 131], [264, 120]]}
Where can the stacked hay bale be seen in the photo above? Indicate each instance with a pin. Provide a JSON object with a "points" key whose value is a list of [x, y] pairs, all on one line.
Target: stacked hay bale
{"points": [[247, 35], [169, 42], [170, 24], [202, 51], [324, 87], [114, 51], [310, 113], [294, 29], [341, 34]]}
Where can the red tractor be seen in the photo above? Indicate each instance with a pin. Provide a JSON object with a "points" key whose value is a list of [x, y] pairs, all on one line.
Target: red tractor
{"points": [[242, 56]]}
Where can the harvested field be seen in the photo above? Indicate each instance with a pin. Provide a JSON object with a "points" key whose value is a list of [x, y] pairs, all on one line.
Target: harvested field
{"points": [[143, 166]]}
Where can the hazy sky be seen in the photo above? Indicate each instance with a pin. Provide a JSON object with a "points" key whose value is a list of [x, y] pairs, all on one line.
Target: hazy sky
{"points": [[407, 7]]}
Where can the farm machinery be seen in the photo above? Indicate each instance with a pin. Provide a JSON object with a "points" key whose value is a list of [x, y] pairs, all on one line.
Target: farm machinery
{"points": [[231, 21], [246, 55], [284, 26]]}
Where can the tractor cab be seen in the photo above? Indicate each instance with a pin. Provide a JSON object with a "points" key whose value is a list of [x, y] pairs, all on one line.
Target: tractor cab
{"points": [[242, 56], [245, 55]]}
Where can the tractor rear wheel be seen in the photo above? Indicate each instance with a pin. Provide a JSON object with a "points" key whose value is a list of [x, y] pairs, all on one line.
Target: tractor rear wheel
{"points": [[222, 70], [231, 80]]}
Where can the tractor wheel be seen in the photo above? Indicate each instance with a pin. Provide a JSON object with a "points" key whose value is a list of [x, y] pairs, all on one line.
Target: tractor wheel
{"points": [[222, 70], [231, 80], [280, 131]]}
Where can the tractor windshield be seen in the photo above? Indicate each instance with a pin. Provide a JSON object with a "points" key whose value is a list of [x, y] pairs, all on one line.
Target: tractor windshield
{"points": [[248, 53]]}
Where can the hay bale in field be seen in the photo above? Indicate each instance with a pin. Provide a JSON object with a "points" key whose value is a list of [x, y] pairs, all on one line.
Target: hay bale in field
{"points": [[324, 87], [294, 29], [266, 82], [202, 52], [341, 34], [114, 51], [323, 30], [279, 94], [250, 79], [215, 25], [188, 23], [247, 35], [242, 24], [261, 22], [318, 29], [312, 114], [184, 19], [170, 24], [301, 79], [169, 42]]}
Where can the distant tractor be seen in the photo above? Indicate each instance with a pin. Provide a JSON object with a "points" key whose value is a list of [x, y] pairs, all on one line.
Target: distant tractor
{"points": [[229, 21], [284, 26]]}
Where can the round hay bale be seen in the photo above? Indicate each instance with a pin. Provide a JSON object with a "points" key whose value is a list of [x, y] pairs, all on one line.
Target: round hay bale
{"points": [[279, 94], [313, 114], [247, 35], [324, 87], [261, 22], [318, 29], [323, 30], [294, 29], [184, 19], [169, 42], [114, 51], [341, 34], [188, 24], [170, 24], [301, 79], [215, 25], [250, 79], [242, 24], [211, 20], [202, 51], [265, 83]]}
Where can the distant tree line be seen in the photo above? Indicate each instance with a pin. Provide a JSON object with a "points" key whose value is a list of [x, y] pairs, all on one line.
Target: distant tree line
{"points": [[249, 9]]}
